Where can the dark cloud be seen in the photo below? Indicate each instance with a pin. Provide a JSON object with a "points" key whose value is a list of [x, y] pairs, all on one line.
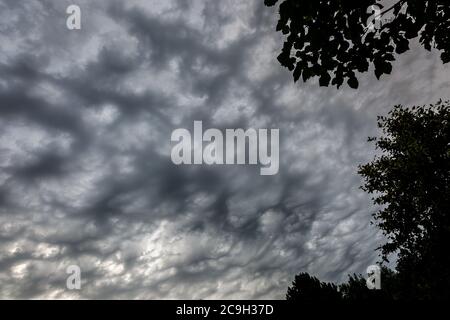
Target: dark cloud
{"points": [[85, 170]]}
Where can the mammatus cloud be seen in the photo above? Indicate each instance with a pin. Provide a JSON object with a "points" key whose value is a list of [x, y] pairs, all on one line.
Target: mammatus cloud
{"points": [[85, 171]]}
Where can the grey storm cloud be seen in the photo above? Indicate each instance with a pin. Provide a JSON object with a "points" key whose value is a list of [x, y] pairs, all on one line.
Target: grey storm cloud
{"points": [[85, 171]]}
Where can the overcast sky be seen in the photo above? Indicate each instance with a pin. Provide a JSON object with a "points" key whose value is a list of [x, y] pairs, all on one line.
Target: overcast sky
{"points": [[85, 171]]}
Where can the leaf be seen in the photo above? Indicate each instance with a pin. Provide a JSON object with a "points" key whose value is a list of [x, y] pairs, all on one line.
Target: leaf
{"points": [[297, 72], [378, 68], [402, 46], [286, 60], [353, 82], [389, 57], [306, 74], [324, 79], [338, 80], [270, 3], [362, 65], [387, 68], [445, 57], [382, 67]]}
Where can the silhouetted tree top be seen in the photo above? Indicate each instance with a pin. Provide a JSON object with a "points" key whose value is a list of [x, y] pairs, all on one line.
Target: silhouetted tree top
{"points": [[330, 39], [411, 177], [306, 288], [309, 289], [355, 289], [410, 180]]}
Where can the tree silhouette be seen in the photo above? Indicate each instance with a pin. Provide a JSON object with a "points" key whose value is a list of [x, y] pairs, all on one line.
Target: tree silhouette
{"points": [[306, 288], [332, 39], [356, 288], [410, 180]]}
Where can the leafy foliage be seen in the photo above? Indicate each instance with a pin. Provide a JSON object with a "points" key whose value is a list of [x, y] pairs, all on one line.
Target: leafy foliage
{"points": [[355, 289], [308, 288], [410, 180], [330, 39]]}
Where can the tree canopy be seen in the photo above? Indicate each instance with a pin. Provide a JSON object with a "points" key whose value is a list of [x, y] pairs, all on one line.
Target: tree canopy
{"points": [[410, 182], [330, 39], [308, 288]]}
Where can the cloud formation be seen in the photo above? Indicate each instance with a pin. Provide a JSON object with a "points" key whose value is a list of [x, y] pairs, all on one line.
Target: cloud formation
{"points": [[85, 170]]}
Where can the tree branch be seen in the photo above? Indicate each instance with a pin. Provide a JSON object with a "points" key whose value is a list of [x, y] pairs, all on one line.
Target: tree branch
{"points": [[400, 3]]}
